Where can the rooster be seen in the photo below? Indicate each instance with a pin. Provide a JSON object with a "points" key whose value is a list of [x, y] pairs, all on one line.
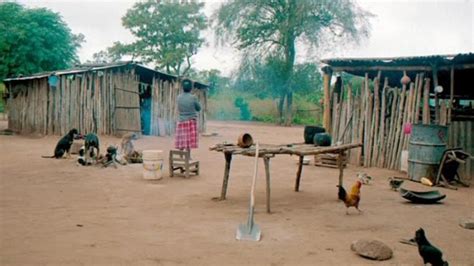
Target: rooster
{"points": [[428, 252], [352, 199]]}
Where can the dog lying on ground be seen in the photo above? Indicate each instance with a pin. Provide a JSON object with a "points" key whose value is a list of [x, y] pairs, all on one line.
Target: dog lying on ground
{"points": [[91, 142], [64, 144], [128, 151]]}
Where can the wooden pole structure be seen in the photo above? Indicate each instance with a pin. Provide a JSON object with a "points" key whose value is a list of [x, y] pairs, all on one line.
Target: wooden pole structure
{"points": [[327, 98], [435, 84], [451, 94], [426, 105]]}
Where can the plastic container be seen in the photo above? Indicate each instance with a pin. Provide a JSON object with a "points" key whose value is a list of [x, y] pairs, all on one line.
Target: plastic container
{"points": [[322, 139], [152, 164]]}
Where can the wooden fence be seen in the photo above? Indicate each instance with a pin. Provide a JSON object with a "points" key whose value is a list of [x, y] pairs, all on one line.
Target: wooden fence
{"points": [[164, 110], [85, 101], [376, 114]]}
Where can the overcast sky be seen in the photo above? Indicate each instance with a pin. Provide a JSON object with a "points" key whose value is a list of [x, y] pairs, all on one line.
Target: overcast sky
{"points": [[399, 28]]}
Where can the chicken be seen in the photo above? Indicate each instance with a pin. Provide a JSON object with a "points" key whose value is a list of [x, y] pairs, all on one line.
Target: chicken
{"points": [[428, 252], [364, 178], [395, 183], [352, 199]]}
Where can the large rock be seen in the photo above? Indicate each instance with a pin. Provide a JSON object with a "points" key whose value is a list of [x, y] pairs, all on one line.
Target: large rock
{"points": [[467, 223], [372, 249]]}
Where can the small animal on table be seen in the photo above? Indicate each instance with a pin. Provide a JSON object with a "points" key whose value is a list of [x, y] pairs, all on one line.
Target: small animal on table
{"points": [[353, 198], [111, 157], [64, 145], [128, 150], [428, 252], [364, 178], [91, 142], [395, 183]]}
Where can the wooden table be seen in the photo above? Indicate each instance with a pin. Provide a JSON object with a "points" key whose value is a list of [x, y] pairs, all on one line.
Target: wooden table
{"points": [[269, 151]]}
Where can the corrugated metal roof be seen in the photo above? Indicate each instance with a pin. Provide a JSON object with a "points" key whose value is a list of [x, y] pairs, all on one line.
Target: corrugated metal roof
{"points": [[74, 70], [393, 68], [412, 61], [93, 67]]}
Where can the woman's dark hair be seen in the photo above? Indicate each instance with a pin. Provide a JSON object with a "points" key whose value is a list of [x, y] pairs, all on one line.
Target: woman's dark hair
{"points": [[187, 85]]}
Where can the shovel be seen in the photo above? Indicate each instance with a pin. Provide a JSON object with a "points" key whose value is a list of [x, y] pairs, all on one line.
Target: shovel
{"points": [[250, 230]]}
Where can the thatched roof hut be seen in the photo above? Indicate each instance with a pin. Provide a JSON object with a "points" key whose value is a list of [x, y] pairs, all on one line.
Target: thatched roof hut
{"points": [[110, 99], [396, 92]]}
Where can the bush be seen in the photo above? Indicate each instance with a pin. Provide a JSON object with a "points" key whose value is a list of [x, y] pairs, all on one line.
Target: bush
{"points": [[263, 110], [245, 113], [221, 107]]}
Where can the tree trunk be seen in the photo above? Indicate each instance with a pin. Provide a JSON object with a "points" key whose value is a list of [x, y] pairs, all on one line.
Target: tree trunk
{"points": [[281, 103], [289, 104], [290, 53]]}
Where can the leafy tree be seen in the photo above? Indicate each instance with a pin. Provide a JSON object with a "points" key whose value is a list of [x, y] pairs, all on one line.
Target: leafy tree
{"points": [[213, 78], [265, 79], [167, 33], [34, 40], [267, 28], [101, 57]]}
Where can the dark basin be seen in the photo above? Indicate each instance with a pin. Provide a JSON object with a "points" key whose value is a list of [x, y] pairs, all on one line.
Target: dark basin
{"points": [[425, 197]]}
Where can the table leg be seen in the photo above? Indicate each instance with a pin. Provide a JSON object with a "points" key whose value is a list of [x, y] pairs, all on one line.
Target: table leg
{"points": [[298, 174], [266, 160], [340, 165], [228, 159]]}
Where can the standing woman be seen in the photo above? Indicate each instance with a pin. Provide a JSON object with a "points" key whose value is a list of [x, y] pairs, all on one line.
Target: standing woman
{"points": [[188, 108]]}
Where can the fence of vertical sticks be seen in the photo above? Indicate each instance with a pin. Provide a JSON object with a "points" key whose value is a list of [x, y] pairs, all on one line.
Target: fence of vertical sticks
{"points": [[376, 117], [84, 101], [164, 109]]}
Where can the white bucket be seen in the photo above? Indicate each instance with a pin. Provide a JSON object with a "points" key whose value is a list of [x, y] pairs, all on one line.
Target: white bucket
{"points": [[152, 164]]}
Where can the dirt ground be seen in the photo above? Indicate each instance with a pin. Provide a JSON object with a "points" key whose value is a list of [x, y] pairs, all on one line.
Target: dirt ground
{"points": [[56, 213]]}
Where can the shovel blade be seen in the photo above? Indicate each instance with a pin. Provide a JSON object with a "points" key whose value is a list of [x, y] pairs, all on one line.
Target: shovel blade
{"points": [[250, 233]]}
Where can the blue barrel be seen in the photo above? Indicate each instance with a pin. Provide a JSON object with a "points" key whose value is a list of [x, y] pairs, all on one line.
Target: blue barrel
{"points": [[425, 149]]}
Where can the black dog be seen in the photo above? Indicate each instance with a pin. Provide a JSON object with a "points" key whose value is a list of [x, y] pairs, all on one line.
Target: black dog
{"points": [[428, 252], [64, 144], [91, 141]]}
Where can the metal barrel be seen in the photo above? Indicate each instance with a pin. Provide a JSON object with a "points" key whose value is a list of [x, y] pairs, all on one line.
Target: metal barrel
{"points": [[426, 146]]}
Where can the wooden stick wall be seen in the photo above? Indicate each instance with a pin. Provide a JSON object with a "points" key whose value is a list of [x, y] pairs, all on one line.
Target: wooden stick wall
{"points": [[85, 101], [377, 115], [164, 110]]}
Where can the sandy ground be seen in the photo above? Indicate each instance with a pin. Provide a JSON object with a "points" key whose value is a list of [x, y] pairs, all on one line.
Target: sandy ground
{"points": [[56, 213]]}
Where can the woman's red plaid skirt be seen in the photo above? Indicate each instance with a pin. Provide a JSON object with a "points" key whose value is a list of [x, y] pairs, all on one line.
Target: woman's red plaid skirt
{"points": [[186, 135]]}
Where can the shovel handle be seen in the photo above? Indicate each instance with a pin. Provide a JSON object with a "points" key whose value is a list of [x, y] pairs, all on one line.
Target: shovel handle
{"points": [[254, 181]]}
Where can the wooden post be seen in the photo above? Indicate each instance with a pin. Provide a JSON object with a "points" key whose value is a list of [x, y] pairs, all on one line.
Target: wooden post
{"points": [[375, 123], [451, 94], [381, 143], [435, 84], [327, 96], [266, 161], [442, 116], [418, 98], [298, 173], [228, 159], [426, 104], [368, 120], [340, 164]]}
